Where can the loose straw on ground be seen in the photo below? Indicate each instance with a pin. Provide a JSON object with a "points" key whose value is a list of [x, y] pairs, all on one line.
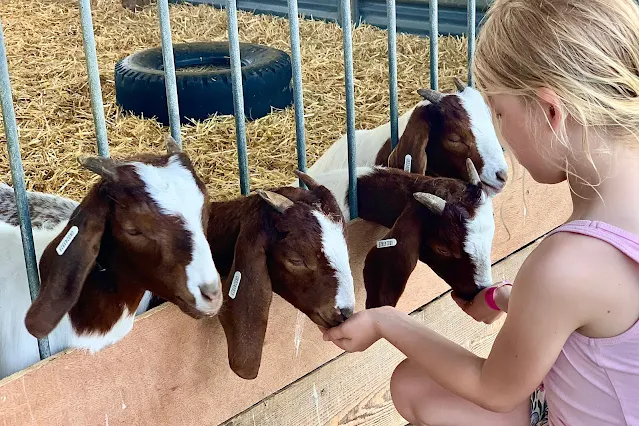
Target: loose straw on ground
{"points": [[46, 62]]}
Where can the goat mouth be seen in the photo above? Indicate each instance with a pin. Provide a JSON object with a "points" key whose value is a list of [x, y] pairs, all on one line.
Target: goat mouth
{"points": [[190, 309], [492, 189], [323, 322]]}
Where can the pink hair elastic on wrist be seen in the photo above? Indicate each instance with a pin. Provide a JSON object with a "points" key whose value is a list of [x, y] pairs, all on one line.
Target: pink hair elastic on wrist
{"points": [[489, 296]]}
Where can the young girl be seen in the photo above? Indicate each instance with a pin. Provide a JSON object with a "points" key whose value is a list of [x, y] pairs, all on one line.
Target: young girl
{"points": [[562, 78]]}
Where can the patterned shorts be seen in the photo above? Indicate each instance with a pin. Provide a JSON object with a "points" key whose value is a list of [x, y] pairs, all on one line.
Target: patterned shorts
{"points": [[538, 407]]}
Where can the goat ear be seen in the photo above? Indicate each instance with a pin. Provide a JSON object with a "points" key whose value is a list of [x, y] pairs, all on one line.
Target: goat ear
{"points": [[245, 316], [172, 146], [386, 270], [413, 142], [66, 264]]}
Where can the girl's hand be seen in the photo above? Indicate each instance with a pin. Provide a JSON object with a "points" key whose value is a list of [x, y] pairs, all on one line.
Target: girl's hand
{"points": [[479, 309], [357, 333]]}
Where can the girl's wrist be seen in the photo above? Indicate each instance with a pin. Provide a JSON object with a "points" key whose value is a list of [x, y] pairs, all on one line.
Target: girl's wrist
{"points": [[497, 296], [380, 317]]}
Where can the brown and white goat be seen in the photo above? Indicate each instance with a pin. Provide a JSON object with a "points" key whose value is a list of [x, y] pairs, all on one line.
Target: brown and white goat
{"points": [[141, 227], [289, 241], [446, 223], [439, 133]]}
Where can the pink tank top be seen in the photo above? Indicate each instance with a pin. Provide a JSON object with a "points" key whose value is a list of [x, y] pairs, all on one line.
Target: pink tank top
{"points": [[596, 381]]}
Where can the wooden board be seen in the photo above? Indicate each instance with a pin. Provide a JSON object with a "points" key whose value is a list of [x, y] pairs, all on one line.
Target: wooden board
{"points": [[173, 368], [353, 389]]}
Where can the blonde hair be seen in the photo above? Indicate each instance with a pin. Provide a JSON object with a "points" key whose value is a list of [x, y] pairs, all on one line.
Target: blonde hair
{"points": [[586, 51]]}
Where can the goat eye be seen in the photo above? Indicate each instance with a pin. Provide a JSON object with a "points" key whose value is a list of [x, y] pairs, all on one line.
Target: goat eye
{"points": [[442, 251], [297, 262], [132, 231]]}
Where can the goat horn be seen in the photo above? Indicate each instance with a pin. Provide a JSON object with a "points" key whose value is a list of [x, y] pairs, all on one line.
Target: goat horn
{"points": [[275, 200], [433, 202], [430, 95], [308, 181], [172, 146], [473, 176], [460, 84], [103, 166]]}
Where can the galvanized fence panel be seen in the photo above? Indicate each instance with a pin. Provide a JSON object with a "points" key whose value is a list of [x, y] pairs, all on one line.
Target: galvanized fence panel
{"points": [[17, 175], [238, 100], [93, 73], [169, 71], [238, 95], [298, 94]]}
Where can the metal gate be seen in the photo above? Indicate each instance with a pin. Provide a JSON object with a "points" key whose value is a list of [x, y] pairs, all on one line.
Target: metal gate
{"points": [[11, 129]]}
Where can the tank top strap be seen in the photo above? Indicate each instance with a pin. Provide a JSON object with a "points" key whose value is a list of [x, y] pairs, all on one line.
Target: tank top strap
{"points": [[624, 241]]}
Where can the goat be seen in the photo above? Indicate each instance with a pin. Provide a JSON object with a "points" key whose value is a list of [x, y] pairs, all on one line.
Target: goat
{"points": [[288, 240], [140, 227], [444, 222], [46, 212], [285, 240], [439, 133]]}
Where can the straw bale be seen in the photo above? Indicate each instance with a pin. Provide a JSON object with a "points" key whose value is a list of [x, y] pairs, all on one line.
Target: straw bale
{"points": [[51, 95]]}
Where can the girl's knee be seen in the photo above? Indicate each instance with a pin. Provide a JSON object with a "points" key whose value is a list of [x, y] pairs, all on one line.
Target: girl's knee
{"points": [[408, 389]]}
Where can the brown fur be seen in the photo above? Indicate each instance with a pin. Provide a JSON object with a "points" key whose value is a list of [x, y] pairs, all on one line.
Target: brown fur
{"points": [[280, 252], [386, 197], [439, 139], [124, 246]]}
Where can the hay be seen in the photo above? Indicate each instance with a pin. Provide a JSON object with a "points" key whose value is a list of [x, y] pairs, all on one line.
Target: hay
{"points": [[51, 95]]}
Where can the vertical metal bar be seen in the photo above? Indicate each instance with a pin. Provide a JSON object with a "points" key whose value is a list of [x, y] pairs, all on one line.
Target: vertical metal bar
{"points": [[294, 29], [350, 107], [471, 38], [17, 175], [95, 90], [392, 69], [169, 71], [434, 34], [238, 95]]}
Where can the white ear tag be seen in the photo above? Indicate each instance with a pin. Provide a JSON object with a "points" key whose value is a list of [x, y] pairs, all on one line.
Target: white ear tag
{"points": [[66, 241], [235, 284], [386, 243], [408, 161]]}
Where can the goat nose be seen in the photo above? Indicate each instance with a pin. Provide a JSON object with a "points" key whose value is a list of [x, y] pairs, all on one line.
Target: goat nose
{"points": [[346, 313], [210, 292], [502, 176]]}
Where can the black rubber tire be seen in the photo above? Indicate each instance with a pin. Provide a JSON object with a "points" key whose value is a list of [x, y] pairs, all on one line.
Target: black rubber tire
{"points": [[266, 81]]}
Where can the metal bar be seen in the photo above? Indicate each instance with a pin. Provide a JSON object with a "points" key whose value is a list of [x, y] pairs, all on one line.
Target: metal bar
{"points": [[434, 33], [169, 71], [392, 69], [17, 175], [472, 12], [238, 95], [350, 107], [300, 134], [95, 90]]}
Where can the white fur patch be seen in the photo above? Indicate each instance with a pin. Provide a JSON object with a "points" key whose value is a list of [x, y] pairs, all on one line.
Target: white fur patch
{"points": [[336, 251], [176, 193], [368, 142], [95, 342], [488, 145], [336, 181], [478, 244]]}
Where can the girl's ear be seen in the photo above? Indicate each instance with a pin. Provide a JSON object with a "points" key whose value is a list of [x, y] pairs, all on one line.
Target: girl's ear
{"points": [[551, 106]]}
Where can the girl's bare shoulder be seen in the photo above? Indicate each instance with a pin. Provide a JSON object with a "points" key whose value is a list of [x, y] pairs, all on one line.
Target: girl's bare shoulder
{"points": [[591, 277]]}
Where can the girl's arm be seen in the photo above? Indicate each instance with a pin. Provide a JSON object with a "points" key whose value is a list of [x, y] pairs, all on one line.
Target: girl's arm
{"points": [[542, 314]]}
